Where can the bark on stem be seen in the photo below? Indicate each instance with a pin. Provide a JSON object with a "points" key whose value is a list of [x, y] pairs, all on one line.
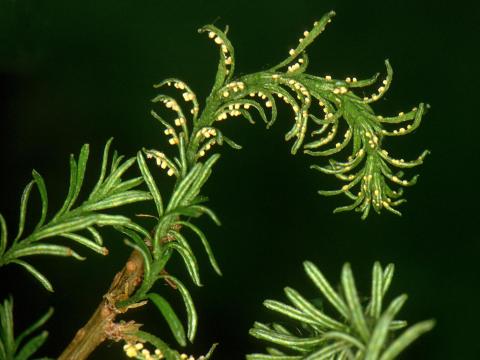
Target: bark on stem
{"points": [[101, 325]]}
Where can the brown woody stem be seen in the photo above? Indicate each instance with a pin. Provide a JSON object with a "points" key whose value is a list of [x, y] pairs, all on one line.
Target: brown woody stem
{"points": [[101, 325]]}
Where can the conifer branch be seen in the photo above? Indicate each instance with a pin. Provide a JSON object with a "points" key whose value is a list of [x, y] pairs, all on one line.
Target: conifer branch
{"points": [[77, 223], [361, 330], [323, 103]]}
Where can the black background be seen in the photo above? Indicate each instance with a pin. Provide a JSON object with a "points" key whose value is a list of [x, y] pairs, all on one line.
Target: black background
{"points": [[76, 72]]}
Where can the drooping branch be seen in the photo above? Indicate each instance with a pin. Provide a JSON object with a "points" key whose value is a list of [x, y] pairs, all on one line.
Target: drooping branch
{"points": [[372, 179]]}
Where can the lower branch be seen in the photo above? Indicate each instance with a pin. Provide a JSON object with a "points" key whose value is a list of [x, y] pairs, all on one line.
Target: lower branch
{"points": [[101, 326]]}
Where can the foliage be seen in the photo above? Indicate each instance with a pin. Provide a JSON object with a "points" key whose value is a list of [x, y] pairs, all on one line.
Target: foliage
{"points": [[109, 192], [167, 239], [364, 330], [321, 103], [12, 348], [366, 174], [196, 134]]}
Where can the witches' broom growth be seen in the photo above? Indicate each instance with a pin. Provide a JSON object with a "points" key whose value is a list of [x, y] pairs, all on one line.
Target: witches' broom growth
{"points": [[321, 106]]}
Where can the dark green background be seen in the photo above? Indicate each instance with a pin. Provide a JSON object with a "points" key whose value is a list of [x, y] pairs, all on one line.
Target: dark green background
{"points": [[75, 72]]}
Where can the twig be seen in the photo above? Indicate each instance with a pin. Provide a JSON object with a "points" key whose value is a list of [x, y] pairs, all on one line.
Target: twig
{"points": [[99, 326]]}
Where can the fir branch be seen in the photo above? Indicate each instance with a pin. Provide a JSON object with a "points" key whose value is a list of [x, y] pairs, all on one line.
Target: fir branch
{"points": [[194, 133], [363, 330], [76, 223], [133, 286]]}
